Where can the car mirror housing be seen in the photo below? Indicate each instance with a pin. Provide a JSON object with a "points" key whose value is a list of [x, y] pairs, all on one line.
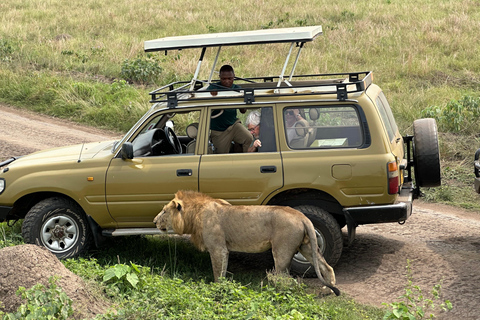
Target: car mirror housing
{"points": [[127, 151]]}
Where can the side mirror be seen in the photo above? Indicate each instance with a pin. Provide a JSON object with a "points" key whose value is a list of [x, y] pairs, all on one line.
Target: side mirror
{"points": [[127, 151]]}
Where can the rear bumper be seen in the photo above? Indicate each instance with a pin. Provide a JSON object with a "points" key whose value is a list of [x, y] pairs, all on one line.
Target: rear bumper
{"points": [[4, 211], [397, 212]]}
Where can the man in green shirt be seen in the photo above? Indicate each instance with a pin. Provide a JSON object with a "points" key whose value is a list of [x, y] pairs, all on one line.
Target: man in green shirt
{"points": [[225, 126]]}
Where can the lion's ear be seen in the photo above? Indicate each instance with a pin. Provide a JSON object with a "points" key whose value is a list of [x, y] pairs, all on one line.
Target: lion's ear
{"points": [[178, 204]]}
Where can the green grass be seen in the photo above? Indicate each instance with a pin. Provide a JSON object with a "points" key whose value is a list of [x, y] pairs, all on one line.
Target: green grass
{"points": [[169, 279]]}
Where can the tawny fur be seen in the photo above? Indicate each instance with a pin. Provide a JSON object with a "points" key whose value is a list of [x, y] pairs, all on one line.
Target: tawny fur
{"points": [[218, 227]]}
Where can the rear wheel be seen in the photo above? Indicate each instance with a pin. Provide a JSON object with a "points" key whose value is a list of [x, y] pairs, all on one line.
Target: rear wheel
{"points": [[426, 154], [329, 238], [58, 224]]}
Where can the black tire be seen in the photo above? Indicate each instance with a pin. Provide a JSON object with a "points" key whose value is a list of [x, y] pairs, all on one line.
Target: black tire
{"points": [[426, 154], [329, 238], [58, 224]]}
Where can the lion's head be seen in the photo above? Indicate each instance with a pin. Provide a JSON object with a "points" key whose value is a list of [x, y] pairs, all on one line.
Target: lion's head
{"points": [[171, 217], [183, 213]]}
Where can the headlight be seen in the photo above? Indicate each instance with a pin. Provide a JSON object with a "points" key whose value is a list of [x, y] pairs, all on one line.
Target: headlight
{"points": [[2, 185]]}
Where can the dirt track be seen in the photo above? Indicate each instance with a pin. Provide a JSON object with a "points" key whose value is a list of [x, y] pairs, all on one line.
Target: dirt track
{"points": [[442, 243]]}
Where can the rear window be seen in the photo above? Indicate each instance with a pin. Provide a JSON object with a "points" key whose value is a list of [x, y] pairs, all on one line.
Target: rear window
{"points": [[323, 127], [387, 115]]}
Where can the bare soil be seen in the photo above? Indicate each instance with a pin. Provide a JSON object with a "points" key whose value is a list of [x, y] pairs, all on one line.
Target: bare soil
{"points": [[28, 264], [442, 242]]}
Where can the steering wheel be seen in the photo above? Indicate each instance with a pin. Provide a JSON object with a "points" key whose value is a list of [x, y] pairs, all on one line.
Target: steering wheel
{"points": [[173, 140]]}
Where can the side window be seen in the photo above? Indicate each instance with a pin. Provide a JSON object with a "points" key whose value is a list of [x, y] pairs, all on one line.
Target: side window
{"points": [[242, 130], [387, 115], [322, 127], [167, 134]]}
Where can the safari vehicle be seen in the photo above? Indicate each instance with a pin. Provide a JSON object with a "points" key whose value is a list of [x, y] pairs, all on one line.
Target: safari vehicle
{"points": [[476, 170], [347, 164]]}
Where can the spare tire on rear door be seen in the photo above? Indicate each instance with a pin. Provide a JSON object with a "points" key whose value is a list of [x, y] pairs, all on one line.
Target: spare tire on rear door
{"points": [[426, 155]]}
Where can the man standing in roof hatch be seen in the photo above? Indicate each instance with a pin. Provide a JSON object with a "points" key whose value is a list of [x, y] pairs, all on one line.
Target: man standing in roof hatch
{"points": [[225, 126]]}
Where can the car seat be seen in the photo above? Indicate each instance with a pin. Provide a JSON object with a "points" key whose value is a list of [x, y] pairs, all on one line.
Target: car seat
{"points": [[301, 128], [314, 114], [192, 131]]}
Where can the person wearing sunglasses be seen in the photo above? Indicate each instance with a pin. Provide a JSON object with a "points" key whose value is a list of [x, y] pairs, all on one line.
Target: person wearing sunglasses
{"points": [[295, 126]]}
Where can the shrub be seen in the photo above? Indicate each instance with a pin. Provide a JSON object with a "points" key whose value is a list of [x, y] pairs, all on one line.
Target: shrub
{"points": [[456, 116], [141, 70], [43, 303], [6, 50]]}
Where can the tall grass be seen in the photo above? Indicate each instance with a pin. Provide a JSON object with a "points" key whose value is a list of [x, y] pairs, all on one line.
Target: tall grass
{"points": [[423, 53]]}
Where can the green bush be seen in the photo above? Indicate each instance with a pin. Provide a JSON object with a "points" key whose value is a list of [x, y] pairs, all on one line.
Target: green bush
{"points": [[456, 116], [141, 70], [10, 235], [43, 303], [122, 278]]}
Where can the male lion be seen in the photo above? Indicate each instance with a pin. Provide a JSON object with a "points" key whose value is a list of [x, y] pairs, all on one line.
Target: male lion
{"points": [[218, 227]]}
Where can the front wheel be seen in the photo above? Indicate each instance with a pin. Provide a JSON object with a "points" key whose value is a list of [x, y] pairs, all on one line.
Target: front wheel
{"points": [[329, 238], [58, 224]]}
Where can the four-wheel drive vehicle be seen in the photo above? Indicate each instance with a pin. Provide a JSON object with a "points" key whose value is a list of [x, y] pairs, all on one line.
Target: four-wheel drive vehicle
{"points": [[476, 170], [341, 162]]}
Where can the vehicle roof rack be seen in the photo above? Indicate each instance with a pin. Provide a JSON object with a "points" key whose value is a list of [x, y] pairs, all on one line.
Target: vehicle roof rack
{"points": [[340, 84]]}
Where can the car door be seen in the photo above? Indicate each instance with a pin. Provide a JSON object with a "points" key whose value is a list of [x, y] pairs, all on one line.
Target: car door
{"points": [[244, 178], [137, 189]]}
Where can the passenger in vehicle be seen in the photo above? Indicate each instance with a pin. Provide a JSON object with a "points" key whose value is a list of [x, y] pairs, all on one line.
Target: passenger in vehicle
{"points": [[296, 128], [225, 126], [253, 126]]}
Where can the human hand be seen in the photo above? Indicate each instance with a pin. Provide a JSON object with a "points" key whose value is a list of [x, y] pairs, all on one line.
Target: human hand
{"points": [[257, 143], [213, 93]]}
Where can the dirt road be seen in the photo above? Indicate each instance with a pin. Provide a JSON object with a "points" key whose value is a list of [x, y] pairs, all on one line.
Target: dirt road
{"points": [[442, 243]]}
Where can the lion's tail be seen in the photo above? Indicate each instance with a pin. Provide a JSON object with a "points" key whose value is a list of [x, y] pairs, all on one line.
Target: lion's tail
{"points": [[315, 255]]}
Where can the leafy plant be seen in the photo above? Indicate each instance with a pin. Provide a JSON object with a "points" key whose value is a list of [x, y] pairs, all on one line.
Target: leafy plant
{"points": [[414, 304], [6, 50], [457, 115], [10, 235], [141, 70], [123, 278], [43, 303]]}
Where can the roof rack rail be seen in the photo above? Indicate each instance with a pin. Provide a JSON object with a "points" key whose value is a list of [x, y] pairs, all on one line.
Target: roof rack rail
{"points": [[340, 84]]}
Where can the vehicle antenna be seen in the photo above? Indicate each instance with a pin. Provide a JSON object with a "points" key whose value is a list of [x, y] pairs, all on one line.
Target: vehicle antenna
{"points": [[80, 155]]}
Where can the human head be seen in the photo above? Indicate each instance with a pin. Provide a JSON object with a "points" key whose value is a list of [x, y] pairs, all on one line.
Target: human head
{"points": [[253, 123], [291, 116], [227, 75]]}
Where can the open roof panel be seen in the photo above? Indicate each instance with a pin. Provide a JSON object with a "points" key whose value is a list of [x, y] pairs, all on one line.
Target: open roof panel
{"points": [[299, 34]]}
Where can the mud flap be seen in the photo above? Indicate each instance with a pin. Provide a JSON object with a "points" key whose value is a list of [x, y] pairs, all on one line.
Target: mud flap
{"points": [[98, 237], [351, 227]]}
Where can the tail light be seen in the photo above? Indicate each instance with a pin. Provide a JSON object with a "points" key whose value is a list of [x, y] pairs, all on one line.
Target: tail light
{"points": [[393, 178]]}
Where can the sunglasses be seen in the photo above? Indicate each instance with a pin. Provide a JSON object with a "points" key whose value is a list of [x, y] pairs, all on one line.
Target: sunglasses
{"points": [[290, 113]]}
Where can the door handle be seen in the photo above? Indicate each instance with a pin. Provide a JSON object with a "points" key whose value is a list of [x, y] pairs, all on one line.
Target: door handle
{"points": [[268, 169], [184, 172]]}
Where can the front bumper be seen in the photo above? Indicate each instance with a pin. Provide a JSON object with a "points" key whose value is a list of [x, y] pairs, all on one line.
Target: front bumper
{"points": [[4, 211], [397, 212]]}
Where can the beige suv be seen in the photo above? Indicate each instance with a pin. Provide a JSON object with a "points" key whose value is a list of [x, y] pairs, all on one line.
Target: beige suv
{"points": [[342, 162]]}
